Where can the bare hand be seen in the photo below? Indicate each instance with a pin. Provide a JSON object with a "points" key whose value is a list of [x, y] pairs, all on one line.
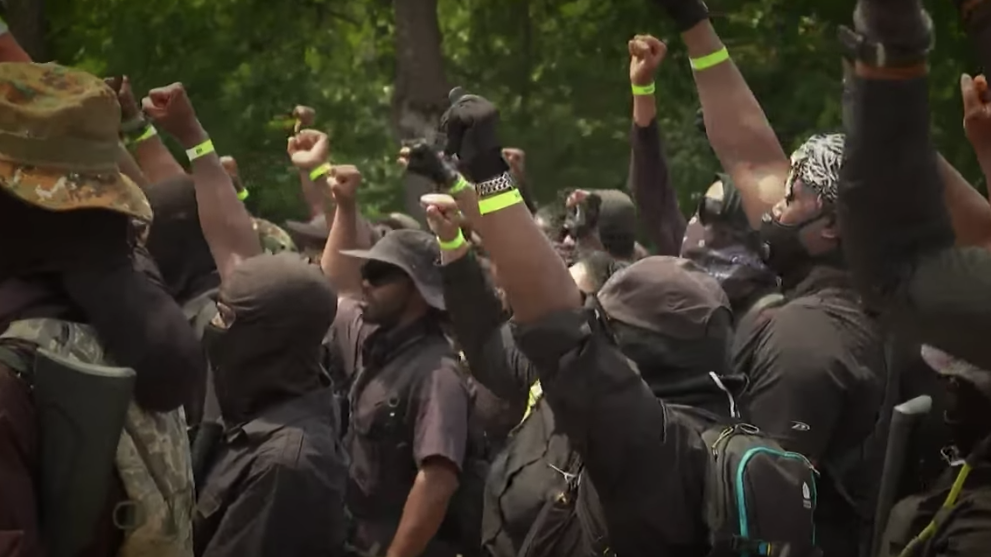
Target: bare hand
{"points": [[443, 216], [344, 182], [516, 159], [229, 164], [575, 198], [646, 54], [976, 112], [169, 109], [305, 117], [309, 149]]}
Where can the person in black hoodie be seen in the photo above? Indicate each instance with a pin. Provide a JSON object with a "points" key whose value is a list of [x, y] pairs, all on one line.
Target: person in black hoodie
{"points": [[531, 492]]}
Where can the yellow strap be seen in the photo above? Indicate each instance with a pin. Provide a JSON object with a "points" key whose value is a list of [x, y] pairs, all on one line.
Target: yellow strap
{"points": [[149, 132], [319, 171], [200, 150], [242, 195], [710, 60], [951, 499], [459, 186], [640, 90], [454, 244], [536, 391], [500, 202]]}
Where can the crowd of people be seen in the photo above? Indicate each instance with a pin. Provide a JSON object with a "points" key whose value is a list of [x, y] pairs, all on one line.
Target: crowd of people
{"points": [[796, 370]]}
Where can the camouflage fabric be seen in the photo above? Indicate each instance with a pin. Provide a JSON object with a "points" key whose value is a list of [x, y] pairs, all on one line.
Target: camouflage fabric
{"points": [[59, 143], [153, 458], [274, 239]]}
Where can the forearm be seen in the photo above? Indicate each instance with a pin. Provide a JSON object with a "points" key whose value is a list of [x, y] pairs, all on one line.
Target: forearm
{"points": [[658, 210], [155, 160], [342, 271], [226, 224], [313, 195], [969, 211], [129, 167], [736, 126], [423, 515]]}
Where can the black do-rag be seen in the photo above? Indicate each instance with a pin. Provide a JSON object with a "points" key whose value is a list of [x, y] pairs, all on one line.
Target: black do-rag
{"points": [[84, 258], [271, 352]]}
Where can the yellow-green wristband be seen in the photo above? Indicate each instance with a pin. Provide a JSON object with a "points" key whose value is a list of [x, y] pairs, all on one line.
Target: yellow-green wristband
{"points": [[710, 60], [243, 194], [148, 132], [200, 150], [454, 244], [459, 186], [500, 202], [319, 171], [641, 90]]}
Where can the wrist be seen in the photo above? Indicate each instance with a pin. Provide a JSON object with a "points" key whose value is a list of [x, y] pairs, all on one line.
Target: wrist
{"points": [[191, 136]]}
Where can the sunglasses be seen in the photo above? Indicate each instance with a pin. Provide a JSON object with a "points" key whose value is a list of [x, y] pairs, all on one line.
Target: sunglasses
{"points": [[377, 273]]}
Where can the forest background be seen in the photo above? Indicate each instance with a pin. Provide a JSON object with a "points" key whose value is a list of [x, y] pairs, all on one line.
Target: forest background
{"points": [[378, 72]]}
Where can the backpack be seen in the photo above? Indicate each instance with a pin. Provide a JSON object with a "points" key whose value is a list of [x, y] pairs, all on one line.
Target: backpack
{"points": [[758, 498], [152, 458]]}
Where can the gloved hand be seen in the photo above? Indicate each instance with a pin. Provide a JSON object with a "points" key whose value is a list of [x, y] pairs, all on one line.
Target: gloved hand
{"points": [[471, 126], [889, 33], [685, 13], [421, 159]]}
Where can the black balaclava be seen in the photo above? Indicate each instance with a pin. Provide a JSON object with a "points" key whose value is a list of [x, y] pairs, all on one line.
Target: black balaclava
{"points": [[271, 352], [176, 240], [82, 261]]}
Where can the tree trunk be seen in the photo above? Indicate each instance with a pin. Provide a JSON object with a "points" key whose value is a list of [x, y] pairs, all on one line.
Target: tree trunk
{"points": [[27, 22], [420, 95]]}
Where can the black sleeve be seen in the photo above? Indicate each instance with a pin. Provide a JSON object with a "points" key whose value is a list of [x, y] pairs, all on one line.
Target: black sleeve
{"points": [[283, 510], [632, 451], [481, 329], [649, 182], [902, 257]]}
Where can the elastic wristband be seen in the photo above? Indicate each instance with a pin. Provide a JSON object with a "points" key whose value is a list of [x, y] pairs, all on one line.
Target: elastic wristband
{"points": [[500, 201], [148, 132], [319, 171], [200, 150], [459, 186], [243, 194], [454, 244], [710, 60], [640, 90]]}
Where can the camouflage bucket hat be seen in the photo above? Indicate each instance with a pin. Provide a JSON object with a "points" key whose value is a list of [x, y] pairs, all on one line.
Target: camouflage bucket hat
{"points": [[273, 239], [59, 143]]}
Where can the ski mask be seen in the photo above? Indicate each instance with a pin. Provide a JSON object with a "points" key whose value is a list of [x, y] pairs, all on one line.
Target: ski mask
{"points": [[277, 310]]}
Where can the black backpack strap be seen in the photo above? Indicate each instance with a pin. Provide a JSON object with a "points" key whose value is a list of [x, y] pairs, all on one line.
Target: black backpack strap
{"points": [[574, 467]]}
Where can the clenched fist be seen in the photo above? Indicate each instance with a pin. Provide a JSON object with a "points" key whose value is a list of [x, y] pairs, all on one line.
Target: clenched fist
{"points": [[344, 182], [169, 108], [309, 149], [976, 112], [646, 54], [305, 117]]}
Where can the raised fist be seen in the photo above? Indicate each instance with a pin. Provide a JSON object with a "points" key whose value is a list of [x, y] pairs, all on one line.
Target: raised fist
{"points": [[471, 126], [169, 108], [305, 117], [976, 112], [646, 54], [344, 182], [309, 149], [421, 159]]}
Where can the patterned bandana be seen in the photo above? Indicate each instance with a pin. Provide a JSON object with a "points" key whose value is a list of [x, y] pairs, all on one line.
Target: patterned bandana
{"points": [[817, 164]]}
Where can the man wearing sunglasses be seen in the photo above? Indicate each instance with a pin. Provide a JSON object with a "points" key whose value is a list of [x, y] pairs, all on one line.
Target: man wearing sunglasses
{"points": [[409, 404]]}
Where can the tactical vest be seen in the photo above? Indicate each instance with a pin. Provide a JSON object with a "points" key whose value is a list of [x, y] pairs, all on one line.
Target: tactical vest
{"points": [[152, 455]]}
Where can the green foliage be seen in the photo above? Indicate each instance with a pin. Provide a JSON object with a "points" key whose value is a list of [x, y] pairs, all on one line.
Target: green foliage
{"points": [[557, 68]]}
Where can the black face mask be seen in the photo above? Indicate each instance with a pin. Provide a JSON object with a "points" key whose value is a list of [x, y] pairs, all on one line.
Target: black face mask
{"points": [[782, 244]]}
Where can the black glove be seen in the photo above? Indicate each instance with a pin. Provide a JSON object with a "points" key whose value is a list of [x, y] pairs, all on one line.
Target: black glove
{"points": [[888, 33], [471, 126], [424, 161], [685, 13]]}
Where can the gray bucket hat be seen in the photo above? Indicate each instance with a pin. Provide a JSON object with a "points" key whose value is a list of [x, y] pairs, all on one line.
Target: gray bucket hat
{"points": [[417, 254]]}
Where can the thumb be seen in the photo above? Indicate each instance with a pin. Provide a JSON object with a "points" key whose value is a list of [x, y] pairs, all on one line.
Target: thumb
{"points": [[969, 94]]}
